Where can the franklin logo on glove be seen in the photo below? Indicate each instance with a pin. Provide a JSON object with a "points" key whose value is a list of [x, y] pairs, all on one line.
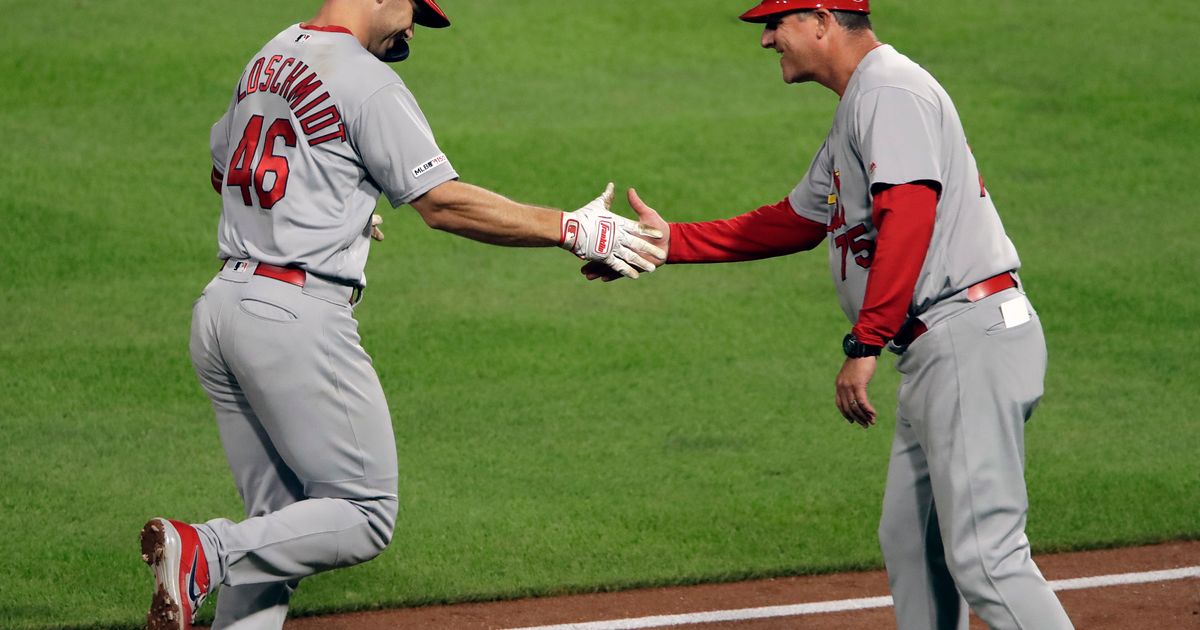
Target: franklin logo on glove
{"points": [[605, 240]]}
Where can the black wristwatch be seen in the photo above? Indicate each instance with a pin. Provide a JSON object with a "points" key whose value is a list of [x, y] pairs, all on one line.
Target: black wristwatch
{"points": [[856, 349]]}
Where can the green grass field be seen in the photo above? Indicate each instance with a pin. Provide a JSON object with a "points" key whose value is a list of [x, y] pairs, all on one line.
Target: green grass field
{"points": [[557, 435]]}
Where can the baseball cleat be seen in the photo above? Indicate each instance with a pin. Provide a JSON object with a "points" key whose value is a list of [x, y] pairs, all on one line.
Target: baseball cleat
{"points": [[181, 582]]}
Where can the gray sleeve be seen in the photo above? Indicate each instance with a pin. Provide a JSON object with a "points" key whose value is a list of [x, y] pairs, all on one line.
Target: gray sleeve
{"points": [[397, 146], [218, 139], [811, 197], [899, 137]]}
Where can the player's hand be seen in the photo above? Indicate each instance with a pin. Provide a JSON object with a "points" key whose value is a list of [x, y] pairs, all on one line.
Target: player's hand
{"points": [[376, 221], [647, 217], [852, 391], [595, 234]]}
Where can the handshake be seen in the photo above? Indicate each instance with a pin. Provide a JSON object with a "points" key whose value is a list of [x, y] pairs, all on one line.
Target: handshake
{"points": [[613, 245]]}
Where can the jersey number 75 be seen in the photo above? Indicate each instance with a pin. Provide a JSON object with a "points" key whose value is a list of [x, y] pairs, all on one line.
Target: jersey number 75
{"points": [[244, 172]]}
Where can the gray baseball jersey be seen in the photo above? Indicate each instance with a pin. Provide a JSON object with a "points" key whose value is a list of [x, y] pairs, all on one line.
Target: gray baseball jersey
{"points": [[317, 128], [954, 508], [895, 125]]}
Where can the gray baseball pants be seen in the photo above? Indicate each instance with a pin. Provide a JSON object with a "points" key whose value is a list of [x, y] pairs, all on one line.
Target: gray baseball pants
{"points": [[953, 525], [307, 433]]}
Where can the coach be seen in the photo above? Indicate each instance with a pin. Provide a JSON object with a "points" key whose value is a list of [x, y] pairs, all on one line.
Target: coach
{"points": [[921, 263]]}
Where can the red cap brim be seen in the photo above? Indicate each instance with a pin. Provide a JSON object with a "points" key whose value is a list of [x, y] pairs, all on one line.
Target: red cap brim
{"points": [[770, 8], [430, 15]]}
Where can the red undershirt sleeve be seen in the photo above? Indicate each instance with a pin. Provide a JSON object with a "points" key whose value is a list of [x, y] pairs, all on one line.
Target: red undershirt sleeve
{"points": [[769, 231], [903, 216]]}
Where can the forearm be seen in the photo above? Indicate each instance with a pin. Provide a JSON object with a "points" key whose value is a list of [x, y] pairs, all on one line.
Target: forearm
{"points": [[773, 230], [904, 216], [479, 214]]}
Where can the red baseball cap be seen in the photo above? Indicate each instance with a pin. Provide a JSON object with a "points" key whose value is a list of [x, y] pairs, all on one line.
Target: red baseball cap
{"points": [[768, 8], [430, 15]]}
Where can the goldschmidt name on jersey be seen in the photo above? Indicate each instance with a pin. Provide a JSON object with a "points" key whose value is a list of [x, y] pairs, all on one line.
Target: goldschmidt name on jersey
{"points": [[300, 93]]}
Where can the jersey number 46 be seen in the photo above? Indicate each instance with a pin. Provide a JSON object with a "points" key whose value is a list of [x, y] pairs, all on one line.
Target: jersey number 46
{"points": [[244, 172]]}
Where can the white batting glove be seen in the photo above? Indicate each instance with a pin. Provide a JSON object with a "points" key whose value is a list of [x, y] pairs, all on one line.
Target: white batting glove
{"points": [[594, 233]]}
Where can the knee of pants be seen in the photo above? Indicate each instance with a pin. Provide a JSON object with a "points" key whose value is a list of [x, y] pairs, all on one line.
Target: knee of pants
{"points": [[377, 535], [899, 541], [973, 572]]}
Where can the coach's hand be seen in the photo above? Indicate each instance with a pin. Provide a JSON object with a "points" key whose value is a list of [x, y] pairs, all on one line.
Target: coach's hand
{"points": [[852, 384], [647, 218], [595, 234]]}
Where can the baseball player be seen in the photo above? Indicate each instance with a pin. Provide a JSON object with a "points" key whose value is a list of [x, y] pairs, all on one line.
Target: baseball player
{"points": [[317, 128], [921, 263]]}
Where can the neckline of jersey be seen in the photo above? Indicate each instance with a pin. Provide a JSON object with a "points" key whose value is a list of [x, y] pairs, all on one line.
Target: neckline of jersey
{"points": [[858, 70], [332, 28]]}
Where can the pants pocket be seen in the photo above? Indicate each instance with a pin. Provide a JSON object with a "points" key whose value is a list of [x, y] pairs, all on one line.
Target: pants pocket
{"points": [[267, 311]]}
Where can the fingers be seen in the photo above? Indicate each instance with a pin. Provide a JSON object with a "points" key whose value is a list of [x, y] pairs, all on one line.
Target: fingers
{"points": [[635, 253], [599, 271], [853, 403], [650, 225], [632, 257], [866, 411], [621, 267], [850, 406], [647, 216], [851, 388], [643, 211], [842, 400], [649, 232], [607, 197], [376, 221], [645, 247], [860, 409]]}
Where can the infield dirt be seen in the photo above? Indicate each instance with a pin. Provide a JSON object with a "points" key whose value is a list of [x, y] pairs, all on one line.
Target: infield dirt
{"points": [[1159, 605]]}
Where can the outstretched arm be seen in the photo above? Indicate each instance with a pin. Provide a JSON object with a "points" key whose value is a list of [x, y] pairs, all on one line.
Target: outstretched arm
{"points": [[482, 215], [772, 230], [593, 232], [769, 231]]}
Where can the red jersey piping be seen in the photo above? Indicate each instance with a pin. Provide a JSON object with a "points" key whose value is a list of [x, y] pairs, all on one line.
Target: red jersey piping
{"points": [[332, 28]]}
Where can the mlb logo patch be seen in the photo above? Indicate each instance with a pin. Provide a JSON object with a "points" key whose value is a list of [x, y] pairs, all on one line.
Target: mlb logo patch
{"points": [[439, 160], [302, 37], [241, 266]]}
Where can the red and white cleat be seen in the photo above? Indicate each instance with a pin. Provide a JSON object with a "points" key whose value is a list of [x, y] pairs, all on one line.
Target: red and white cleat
{"points": [[173, 552]]}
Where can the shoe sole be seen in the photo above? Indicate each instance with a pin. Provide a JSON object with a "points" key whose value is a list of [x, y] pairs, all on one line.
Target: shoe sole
{"points": [[165, 611]]}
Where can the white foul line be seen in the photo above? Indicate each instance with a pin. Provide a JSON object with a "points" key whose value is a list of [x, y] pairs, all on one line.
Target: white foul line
{"points": [[841, 605], [1125, 578]]}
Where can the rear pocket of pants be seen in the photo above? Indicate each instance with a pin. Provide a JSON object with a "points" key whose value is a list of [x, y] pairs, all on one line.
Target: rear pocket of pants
{"points": [[267, 311]]}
